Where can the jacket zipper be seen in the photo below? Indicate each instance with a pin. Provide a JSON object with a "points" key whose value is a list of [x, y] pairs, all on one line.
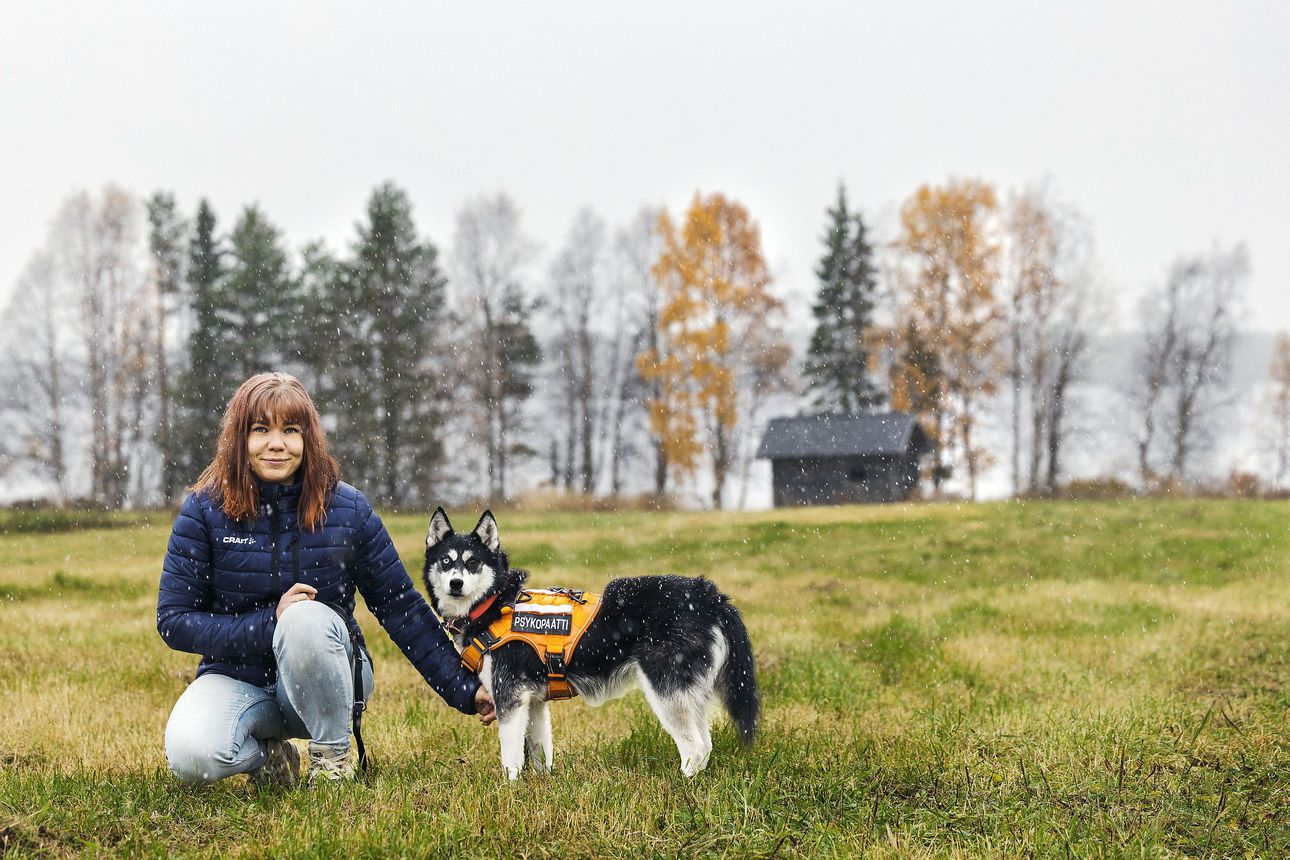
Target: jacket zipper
{"points": [[275, 528]]}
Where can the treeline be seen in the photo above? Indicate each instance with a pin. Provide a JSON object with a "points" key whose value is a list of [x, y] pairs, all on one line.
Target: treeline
{"points": [[997, 304], [645, 357], [130, 329]]}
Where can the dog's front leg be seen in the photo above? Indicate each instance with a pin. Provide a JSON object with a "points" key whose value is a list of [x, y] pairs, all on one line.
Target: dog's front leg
{"points": [[512, 726], [539, 736]]}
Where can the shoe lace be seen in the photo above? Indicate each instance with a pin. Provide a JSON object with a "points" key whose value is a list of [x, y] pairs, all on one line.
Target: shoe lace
{"points": [[322, 766]]}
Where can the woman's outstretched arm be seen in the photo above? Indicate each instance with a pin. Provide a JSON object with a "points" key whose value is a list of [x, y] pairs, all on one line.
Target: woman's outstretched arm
{"points": [[405, 614]]}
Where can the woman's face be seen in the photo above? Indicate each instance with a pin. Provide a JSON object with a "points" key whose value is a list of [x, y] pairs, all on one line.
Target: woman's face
{"points": [[275, 450]]}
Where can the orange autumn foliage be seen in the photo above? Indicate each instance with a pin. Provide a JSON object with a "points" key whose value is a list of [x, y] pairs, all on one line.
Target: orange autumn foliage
{"points": [[715, 303], [949, 302]]}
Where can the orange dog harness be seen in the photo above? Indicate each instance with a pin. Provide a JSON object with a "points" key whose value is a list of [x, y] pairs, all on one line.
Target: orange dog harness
{"points": [[548, 620]]}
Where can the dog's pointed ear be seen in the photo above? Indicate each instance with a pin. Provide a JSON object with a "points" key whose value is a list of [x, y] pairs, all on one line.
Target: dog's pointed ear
{"points": [[486, 530], [439, 527]]}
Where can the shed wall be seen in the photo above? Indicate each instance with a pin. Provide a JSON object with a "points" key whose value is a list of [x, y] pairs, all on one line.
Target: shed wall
{"points": [[843, 480]]}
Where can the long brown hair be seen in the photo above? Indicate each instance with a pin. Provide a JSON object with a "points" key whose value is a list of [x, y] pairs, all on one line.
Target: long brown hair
{"points": [[262, 398]]}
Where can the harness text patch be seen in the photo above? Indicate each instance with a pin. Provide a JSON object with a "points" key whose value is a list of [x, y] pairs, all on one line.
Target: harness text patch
{"points": [[556, 623]]}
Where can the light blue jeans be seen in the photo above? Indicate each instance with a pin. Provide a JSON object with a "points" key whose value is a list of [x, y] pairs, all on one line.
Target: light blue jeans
{"points": [[219, 726]]}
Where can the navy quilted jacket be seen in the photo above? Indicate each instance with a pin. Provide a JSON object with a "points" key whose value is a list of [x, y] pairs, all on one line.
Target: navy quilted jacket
{"points": [[222, 579]]}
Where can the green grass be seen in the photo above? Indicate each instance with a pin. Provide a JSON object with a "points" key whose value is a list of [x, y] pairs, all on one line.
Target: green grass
{"points": [[1030, 680]]}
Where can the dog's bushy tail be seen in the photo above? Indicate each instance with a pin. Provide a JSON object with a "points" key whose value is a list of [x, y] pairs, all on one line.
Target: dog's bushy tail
{"points": [[737, 681]]}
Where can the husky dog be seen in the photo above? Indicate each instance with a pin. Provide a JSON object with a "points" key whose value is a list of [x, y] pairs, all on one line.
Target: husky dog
{"points": [[677, 638]]}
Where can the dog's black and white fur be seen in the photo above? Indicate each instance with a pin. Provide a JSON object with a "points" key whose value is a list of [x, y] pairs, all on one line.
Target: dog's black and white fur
{"points": [[677, 638]]}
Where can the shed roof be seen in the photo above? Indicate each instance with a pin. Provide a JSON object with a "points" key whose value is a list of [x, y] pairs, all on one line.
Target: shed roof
{"points": [[876, 434]]}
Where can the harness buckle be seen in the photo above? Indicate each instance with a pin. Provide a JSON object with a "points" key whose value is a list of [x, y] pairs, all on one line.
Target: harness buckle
{"points": [[555, 666], [575, 596]]}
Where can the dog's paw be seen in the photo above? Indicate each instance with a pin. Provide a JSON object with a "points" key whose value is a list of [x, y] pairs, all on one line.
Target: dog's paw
{"points": [[513, 773], [690, 766]]}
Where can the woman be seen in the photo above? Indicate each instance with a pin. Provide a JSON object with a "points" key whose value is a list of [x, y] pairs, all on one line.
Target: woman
{"points": [[259, 578]]}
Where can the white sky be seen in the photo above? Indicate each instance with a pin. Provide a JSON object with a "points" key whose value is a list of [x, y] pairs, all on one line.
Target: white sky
{"points": [[1167, 123]]}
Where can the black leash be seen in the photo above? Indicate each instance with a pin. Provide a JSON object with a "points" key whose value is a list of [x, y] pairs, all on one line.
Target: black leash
{"points": [[360, 704], [351, 625]]}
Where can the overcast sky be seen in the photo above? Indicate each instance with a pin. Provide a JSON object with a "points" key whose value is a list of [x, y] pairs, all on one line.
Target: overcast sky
{"points": [[1167, 124]]}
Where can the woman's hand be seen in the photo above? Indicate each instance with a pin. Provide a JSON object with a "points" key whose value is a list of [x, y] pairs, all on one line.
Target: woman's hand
{"points": [[484, 706], [295, 594]]}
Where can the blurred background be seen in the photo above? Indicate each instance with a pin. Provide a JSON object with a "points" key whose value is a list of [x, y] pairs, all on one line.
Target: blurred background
{"points": [[583, 256]]}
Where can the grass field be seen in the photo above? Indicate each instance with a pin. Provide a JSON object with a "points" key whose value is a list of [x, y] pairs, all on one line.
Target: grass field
{"points": [[1078, 679]]}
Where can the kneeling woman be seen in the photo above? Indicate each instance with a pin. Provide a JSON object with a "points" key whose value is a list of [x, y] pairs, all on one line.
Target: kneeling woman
{"points": [[259, 578]]}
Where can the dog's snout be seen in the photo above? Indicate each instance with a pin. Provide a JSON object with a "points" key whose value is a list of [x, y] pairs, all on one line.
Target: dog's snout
{"points": [[454, 585]]}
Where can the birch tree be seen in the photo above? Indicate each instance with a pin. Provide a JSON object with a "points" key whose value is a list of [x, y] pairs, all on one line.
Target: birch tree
{"points": [[491, 253], [579, 295], [96, 244], [38, 373], [1278, 410], [167, 235], [1189, 326], [634, 310], [1053, 303], [947, 297], [716, 320]]}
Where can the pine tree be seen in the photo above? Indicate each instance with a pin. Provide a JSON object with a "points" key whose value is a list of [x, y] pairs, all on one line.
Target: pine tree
{"points": [[838, 363], [245, 310], [318, 325], [202, 396], [517, 357], [262, 297], [390, 299], [918, 386]]}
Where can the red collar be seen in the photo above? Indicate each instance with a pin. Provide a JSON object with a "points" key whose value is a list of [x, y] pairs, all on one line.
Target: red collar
{"points": [[458, 624]]}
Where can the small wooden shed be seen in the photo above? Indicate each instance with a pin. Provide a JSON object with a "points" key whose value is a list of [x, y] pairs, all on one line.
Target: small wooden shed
{"points": [[844, 459]]}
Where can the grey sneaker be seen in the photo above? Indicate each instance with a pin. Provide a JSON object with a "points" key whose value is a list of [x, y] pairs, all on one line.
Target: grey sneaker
{"points": [[281, 764], [329, 765]]}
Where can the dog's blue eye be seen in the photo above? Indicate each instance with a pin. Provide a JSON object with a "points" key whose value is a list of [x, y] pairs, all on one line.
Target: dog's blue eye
{"points": [[445, 561]]}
